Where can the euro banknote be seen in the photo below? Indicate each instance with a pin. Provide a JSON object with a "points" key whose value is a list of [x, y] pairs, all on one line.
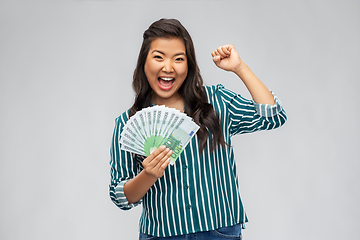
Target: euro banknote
{"points": [[154, 126]]}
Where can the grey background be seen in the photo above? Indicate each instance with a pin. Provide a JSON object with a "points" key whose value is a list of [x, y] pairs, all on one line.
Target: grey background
{"points": [[66, 70]]}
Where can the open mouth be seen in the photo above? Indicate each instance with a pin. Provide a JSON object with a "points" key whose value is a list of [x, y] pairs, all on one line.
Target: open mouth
{"points": [[165, 83]]}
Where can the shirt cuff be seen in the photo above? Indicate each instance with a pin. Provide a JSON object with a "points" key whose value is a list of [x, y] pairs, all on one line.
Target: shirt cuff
{"points": [[121, 198], [267, 110]]}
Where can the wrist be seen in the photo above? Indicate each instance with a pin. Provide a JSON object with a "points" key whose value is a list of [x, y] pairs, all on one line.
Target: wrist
{"points": [[241, 69], [149, 176]]}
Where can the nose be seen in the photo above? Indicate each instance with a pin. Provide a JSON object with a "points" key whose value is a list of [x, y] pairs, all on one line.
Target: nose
{"points": [[167, 67]]}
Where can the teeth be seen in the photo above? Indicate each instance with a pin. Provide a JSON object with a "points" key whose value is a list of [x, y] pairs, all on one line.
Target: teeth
{"points": [[166, 79]]}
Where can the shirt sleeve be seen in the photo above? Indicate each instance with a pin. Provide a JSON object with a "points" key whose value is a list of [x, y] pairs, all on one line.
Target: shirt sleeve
{"points": [[122, 167], [246, 116]]}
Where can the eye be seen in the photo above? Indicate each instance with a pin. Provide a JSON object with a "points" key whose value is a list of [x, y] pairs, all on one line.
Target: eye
{"points": [[157, 57], [180, 59]]}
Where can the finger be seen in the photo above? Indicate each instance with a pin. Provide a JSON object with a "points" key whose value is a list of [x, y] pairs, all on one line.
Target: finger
{"points": [[222, 53], [165, 164], [154, 165], [154, 154], [168, 155], [161, 155], [161, 162], [158, 150], [216, 59], [214, 53], [226, 49]]}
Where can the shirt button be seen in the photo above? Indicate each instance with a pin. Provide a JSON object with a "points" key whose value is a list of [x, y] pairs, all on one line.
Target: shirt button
{"points": [[185, 166], [189, 206], [186, 187]]}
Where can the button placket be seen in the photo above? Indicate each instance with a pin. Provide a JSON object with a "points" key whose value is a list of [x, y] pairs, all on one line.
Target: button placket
{"points": [[186, 186]]}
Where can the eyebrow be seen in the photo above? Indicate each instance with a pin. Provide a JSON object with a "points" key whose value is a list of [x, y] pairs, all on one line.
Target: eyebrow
{"points": [[177, 54]]}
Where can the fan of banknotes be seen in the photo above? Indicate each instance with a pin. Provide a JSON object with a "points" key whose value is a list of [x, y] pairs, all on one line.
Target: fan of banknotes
{"points": [[154, 126]]}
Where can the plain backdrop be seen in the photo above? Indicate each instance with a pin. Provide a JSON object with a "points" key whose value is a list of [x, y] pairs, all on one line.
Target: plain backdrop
{"points": [[66, 70]]}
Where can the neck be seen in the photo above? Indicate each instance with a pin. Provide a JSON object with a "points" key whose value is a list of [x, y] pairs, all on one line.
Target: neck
{"points": [[175, 101]]}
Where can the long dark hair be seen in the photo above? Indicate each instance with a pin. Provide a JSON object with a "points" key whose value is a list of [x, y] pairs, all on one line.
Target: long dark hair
{"points": [[191, 90]]}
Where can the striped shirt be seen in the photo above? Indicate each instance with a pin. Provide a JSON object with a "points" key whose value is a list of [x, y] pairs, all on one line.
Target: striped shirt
{"points": [[200, 192]]}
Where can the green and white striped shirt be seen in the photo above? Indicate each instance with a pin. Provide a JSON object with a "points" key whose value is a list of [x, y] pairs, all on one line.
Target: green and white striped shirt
{"points": [[200, 192]]}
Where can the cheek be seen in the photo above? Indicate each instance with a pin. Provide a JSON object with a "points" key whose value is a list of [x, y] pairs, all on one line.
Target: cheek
{"points": [[150, 69], [147, 70], [183, 71]]}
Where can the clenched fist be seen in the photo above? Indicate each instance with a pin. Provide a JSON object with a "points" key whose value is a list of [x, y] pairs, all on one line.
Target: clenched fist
{"points": [[227, 58]]}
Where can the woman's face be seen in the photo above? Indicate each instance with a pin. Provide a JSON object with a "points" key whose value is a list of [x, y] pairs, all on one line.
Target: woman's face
{"points": [[166, 69]]}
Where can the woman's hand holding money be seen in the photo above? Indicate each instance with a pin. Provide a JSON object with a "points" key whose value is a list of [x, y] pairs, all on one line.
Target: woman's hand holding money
{"points": [[154, 166], [157, 161]]}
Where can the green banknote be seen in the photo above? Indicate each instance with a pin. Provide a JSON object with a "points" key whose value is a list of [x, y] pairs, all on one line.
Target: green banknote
{"points": [[180, 137], [154, 126]]}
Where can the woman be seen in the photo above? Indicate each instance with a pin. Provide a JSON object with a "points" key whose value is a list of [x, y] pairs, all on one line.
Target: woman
{"points": [[198, 196]]}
